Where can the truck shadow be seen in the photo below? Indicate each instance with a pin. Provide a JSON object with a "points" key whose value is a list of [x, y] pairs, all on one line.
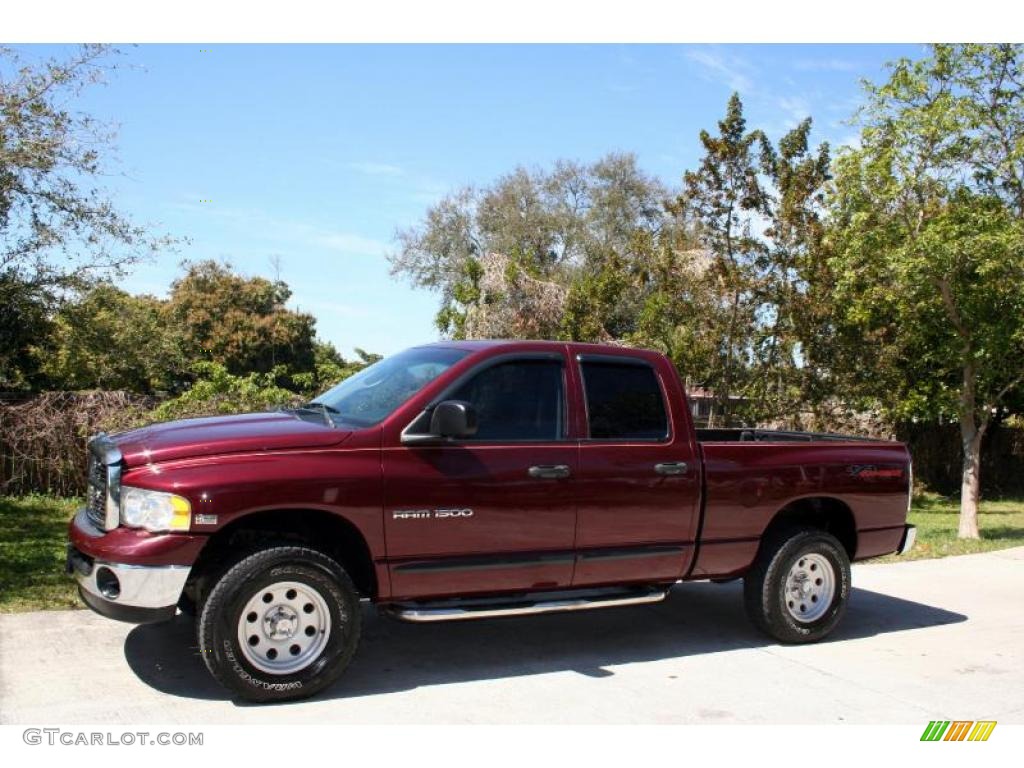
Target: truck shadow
{"points": [[698, 618]]}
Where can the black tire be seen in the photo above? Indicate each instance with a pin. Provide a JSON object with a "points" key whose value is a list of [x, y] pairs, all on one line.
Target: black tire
{"points": [[764, 586], [221, 612]]}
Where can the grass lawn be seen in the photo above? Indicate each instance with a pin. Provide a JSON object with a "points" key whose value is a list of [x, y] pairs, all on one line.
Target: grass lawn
{"points": [[1001, 523], [33, 531]]}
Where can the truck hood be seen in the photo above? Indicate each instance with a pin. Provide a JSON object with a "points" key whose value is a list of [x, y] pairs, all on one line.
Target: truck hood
{"points": [[190, 438]]}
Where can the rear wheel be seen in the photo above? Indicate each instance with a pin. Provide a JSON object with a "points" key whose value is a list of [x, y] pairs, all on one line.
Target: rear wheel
{"points": [[798, 587], [282, 623]]}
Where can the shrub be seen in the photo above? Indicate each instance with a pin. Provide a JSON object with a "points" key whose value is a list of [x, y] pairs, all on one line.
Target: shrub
{"points": [[216, 391], [43, 440]]}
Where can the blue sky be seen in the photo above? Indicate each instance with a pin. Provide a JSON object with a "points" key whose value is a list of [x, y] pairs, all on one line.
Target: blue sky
{"points": [[316, 154]]}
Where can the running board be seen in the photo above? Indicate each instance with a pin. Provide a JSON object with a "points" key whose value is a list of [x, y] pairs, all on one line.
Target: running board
{"points": [[555, 602]]}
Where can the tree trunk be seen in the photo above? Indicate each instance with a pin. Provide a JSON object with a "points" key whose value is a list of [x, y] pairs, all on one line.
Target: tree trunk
{"points": [[970, 439], [970, 486]]}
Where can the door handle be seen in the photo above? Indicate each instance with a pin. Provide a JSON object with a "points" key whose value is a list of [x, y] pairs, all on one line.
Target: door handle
{"points": [[548, 471], [671, 468]]}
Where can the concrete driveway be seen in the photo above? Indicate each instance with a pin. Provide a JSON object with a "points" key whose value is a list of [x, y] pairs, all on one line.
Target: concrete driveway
{"points": [[934, 639]]}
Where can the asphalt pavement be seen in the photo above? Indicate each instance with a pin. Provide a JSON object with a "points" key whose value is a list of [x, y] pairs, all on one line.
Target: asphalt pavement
{"points": [[922, 640]]}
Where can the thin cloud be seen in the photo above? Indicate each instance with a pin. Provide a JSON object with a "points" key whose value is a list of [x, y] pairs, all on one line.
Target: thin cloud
{"points": [[795, 107], [731, 70], [347, 242], [421, 188], [332, 308], [275, 230], [831, 64]]}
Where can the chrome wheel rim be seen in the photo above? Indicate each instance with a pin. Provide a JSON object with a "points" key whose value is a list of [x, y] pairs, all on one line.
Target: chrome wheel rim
{"points": [[810, 588], [284, 627]]}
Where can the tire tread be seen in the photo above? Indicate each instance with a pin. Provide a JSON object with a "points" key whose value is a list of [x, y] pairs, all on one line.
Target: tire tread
{"points": [[759, 595], [234, 576]]}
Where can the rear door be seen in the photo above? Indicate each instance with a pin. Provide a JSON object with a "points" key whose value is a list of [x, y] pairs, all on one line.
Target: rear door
{"points": [[494, 513], [638, 488]]}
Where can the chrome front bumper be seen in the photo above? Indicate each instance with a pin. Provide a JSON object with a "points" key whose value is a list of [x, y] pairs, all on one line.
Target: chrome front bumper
{"points": [[135, 593], [909, 537]]}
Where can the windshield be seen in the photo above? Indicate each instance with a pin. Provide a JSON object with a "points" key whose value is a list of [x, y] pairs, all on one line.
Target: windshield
{"points": [[369, 396]]}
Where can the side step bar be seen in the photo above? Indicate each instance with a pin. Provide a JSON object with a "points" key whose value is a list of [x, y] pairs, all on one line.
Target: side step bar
{"points": [[554, 602]]}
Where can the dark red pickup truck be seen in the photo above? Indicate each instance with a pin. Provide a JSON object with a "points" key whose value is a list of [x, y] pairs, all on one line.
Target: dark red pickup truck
{"points": [[469, 480]]}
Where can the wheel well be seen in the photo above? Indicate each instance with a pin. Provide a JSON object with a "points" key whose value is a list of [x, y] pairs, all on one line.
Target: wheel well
{"points": [[826, 513], [323, 531]]}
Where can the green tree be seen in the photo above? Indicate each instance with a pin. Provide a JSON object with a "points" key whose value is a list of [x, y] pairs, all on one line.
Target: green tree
{"points": [[727, 278], [58, 229], [240, 322], [503, 257], [755, 301], [24, 319], [792, 345], [110, 339], [928, 235], [725, 197], [216, 391]]}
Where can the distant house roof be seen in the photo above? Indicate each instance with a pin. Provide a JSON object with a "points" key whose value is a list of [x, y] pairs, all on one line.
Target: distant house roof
{"points": [[702, 393]]}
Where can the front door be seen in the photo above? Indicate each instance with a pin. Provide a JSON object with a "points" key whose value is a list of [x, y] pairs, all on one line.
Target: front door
{"points": [[494, 513]]}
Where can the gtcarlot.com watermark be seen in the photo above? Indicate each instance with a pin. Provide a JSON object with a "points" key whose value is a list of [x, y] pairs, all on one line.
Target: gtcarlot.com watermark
{"points": [[72, 738]]}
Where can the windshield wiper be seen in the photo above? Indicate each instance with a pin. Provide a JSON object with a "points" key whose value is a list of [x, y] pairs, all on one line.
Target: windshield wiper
{"points": [[324, 409]]}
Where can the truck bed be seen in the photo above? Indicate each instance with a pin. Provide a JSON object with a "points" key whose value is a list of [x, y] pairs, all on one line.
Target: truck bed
{"points": [[753, 435], [749, 475]]}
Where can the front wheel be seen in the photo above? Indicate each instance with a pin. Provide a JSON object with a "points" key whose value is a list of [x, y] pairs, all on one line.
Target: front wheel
{"points": [[799, 585], [280, 624]]}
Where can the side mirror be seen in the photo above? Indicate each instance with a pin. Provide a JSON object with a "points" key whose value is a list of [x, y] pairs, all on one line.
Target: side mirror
{"points": [[453, 418]]}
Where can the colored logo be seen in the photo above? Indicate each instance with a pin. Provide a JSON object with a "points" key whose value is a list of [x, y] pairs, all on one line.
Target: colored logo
{"points": [[870, 471], [958, 730]]}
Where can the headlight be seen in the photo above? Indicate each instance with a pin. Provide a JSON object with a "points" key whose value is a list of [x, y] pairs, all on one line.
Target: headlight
{"points": [[154, 510]]}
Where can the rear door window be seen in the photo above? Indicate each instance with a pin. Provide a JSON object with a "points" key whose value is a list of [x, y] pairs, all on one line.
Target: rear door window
{"points": [[624, 401]]}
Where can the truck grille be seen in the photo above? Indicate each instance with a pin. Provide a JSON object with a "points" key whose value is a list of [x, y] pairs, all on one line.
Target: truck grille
{"points": [[96, 493], [104, 482]]}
